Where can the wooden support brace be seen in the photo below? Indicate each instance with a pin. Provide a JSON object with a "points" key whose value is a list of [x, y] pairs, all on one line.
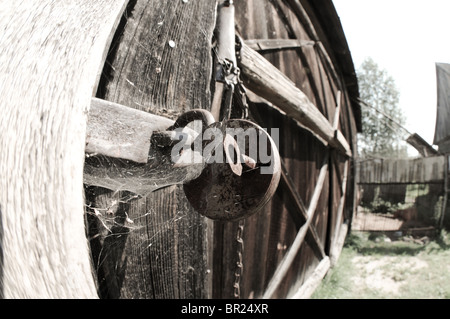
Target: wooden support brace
{"points": [[283, 267], [341, 231], [337, 112], [288, 258], [301, 212], [266, 80], [338, 244], [313, 281], [303, 16]]}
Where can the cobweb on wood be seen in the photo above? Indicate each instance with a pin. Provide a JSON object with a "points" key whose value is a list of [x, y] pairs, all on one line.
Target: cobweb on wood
{"points": [[118, 193], [124, 223], [120, 215], [124, 227], [141, 179]]}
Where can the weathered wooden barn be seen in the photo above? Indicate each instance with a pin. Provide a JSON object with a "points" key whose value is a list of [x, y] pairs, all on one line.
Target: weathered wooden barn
{"points": [[161, 57]]}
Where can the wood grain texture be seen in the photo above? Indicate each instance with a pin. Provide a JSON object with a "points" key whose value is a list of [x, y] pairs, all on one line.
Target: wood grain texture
{"points": [[442, 131], [119, 131], [272, 231], [313, 281], [267, 81], [286, 262], [51, 55], [160, 62]]}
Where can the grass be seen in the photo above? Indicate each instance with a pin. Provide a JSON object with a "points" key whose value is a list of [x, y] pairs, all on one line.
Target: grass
{"points": [[371, 268]]}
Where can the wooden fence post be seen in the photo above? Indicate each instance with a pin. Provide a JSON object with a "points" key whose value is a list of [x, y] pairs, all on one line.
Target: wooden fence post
{"points": [[444, 204]]}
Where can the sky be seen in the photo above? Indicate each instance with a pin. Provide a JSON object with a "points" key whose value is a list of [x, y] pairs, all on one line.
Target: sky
{"points": [[406, 38]]}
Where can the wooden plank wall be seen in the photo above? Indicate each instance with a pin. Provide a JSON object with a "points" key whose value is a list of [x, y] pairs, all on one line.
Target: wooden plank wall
{"points": [[401, 171], [268, 234], [169, 251], [164, 253]]}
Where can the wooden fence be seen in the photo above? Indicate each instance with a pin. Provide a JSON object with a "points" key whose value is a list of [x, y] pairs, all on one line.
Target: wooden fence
{"points": [[420, 183], [401, 171]]}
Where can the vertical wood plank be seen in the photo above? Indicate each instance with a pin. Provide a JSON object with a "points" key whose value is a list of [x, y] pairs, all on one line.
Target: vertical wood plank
{"points": [[294, 248]]}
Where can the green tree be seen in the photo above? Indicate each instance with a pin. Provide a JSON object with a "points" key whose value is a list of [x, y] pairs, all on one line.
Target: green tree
{"points": [[382, 119]]}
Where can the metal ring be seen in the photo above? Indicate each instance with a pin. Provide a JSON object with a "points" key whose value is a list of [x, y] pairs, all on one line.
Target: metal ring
{"points": [[196, 114]]}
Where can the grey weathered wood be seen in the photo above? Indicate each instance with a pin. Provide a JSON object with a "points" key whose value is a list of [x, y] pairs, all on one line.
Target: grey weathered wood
{"points": [[313, 281], [398, 171], [303, 16], [421, 145], [119, 131], [51, 56], [338, 223], [335, 251], [341, 229], [267, 81], [336, 245], [337, 112], [276, 44], [225, 50], [442, 130], [312, 66], [160, 63], [446, 190], [261, 19], [288, 258], [301, 210]]}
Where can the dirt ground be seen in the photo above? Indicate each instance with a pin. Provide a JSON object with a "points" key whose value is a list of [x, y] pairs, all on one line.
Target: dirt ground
{"points": [[383, 269], [387, 258], [385, 274], [375, 222], [370, 222]]}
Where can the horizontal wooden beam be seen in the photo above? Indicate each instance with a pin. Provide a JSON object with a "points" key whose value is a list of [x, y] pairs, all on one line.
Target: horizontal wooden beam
{"points": [[119, 131], [267, 81], [123, 134], [277, 44]]}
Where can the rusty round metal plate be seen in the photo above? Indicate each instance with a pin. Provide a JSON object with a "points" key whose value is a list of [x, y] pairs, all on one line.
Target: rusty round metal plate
{"points": [[226, 192]]}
